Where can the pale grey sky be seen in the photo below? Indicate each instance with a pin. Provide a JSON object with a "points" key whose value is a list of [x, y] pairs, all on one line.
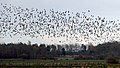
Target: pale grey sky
{"points": [[108, 8], [105, 8]]}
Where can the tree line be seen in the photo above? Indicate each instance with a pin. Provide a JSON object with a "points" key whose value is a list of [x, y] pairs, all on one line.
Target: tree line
{"points": [[42, 51]]}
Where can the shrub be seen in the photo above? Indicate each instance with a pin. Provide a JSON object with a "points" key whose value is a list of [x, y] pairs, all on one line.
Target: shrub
{"points": [[112, 61]]}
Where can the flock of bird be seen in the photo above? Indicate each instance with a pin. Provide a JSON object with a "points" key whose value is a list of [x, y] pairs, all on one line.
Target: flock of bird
{"points": [[55, 24]]}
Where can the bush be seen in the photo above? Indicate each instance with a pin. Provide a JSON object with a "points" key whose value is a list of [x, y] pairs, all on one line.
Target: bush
{"points": [[112, 61], [24, 56], [77, 58]]}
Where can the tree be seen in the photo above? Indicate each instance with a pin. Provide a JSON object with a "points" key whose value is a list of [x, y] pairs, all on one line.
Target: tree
{"points": [[29, 42], [42, 50], [63, 51], [83, 47]]}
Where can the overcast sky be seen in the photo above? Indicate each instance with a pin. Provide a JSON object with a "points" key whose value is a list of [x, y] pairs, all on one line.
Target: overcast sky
{"points": [[105, 8]]}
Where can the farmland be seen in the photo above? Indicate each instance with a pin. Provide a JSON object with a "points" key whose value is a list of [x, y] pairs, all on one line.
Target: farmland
{"points": [[36, 63]]}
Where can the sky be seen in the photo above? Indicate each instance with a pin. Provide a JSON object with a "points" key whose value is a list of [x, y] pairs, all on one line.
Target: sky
{"points": [[109, 8], [105, 8]]}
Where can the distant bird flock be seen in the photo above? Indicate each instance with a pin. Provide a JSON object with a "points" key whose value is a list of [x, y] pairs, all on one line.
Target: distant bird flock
{"points": [[55, 24]]}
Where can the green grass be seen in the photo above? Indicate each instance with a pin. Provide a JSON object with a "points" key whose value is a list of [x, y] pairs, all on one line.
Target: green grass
{"points": [[57, 63]]}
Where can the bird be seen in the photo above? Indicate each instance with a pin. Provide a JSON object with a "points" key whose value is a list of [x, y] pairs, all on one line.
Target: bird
{"points": [[54, 24]]}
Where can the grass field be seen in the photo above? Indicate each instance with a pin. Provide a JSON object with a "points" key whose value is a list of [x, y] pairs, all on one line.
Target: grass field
{"points": [[56, 64]]}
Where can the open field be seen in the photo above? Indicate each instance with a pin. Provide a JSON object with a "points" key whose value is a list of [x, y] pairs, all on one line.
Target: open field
{"points": [[56, 64]]}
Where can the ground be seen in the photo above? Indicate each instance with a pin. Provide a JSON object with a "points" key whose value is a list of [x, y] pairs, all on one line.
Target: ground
{"points": [[56, 63]]}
